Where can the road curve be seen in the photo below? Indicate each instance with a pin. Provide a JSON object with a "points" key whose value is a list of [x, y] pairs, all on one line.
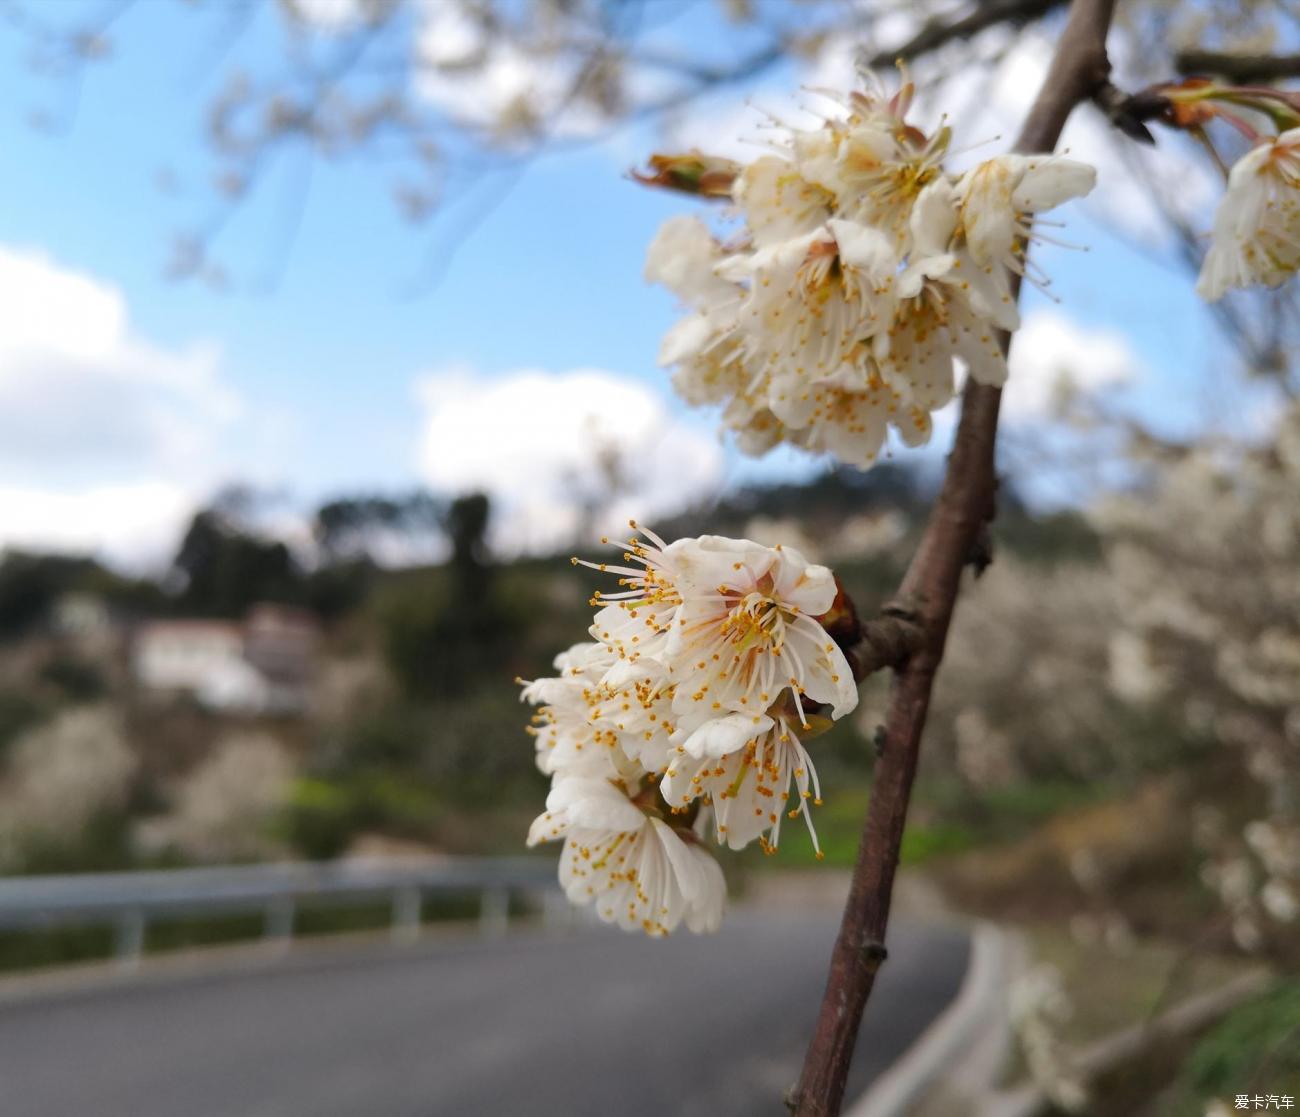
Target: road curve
{"points": [[593, 1023]]}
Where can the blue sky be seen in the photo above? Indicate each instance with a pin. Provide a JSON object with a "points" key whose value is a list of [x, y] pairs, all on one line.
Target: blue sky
{"points": [[319, 346]]}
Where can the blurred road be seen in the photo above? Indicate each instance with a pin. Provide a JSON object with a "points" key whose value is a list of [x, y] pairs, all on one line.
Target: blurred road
{"points": [[589, 1023]]}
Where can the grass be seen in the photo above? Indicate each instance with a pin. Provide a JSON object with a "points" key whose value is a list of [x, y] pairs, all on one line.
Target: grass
{"points": [[1113, 988], [1254, 1050]]}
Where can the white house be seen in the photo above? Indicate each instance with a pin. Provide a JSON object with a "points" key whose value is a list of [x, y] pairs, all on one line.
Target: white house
{"points": [[264, 665]]}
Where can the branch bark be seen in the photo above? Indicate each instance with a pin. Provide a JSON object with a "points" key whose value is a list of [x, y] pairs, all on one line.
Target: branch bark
{"points": [[936, 33], [1242, 69], [965, 505], [886, 641]]}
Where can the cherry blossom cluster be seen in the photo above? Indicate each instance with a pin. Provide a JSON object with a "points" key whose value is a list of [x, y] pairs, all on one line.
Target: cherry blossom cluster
{"points": [[686, 713], [1221, 643], [863, 272]]}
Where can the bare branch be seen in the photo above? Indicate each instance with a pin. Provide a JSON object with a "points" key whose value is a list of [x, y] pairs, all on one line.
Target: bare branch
{"points": [[964, 507], [936, 33], [1242, 69]]}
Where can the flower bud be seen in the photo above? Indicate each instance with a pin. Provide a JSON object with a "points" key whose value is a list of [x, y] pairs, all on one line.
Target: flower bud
{"points": [[693, 173]]}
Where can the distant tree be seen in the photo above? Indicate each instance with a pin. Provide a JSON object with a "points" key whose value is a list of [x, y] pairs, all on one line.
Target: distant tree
{"points": [[442, 635], [31, 583], [225, 568], [377, 527]]}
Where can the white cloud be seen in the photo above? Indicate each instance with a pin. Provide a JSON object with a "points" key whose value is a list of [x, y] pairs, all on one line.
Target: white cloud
{"points": [[137, 525], [105, 437], [329, 16], [504, 80], [534, 441], [83, 399], [1053, 356]]}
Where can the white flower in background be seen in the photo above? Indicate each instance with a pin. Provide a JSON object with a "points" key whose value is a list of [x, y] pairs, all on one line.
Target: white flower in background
{"points": [[1257, 225], [57, 776], [637, 870], [1039, 1007], [1280, 901], [862, 274], [225, 807], [707, 672]]}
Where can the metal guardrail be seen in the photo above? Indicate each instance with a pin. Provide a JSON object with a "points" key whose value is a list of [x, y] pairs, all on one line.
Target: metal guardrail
{"points": [[128, 901]]}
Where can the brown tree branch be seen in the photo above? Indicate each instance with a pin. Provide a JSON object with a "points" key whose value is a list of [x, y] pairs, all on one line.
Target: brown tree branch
{"points": [[1242, 69], [886, 641], [964, 507], [937, 33]]}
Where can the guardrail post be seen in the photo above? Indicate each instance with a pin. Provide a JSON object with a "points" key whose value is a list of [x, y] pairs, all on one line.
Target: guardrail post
{"points": [[278, 927], [128, 938], [406, 914], [494, 912], [557, 912]]}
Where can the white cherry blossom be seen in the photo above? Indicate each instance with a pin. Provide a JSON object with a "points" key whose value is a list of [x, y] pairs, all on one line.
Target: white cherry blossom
{"points": [[707, 672], [746, 630], [1257, 225], [637, 871], [864, 273], [745, 767], [779, 204], [998, 200]]}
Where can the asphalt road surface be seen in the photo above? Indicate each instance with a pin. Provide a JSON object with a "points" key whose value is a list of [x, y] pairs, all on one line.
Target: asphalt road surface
{"points": [[593, 1023]]}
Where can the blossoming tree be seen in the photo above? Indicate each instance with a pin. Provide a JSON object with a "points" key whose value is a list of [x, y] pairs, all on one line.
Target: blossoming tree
{"points": [[863, 275]]}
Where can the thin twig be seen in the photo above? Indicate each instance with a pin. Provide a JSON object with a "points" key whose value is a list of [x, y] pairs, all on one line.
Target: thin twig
{"points": [[1243, 69], [937, 33], [964, 507]]}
